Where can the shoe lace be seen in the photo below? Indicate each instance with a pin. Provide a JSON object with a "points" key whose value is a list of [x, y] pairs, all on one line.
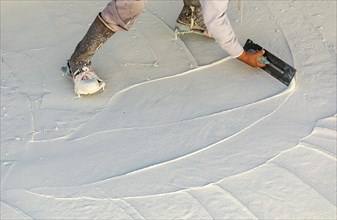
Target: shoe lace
{"points": [[84, 73]]}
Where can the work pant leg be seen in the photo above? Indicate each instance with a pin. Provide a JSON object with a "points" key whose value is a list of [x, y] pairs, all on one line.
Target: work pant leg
{"points": [[121, 14]]}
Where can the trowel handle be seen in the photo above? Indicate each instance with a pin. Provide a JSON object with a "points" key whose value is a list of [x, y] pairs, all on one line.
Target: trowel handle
{"points": [[262, 59]]}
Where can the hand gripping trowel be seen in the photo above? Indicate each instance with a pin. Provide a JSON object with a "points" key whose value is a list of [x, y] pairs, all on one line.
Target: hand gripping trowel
{"points": [[274, 66]]}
